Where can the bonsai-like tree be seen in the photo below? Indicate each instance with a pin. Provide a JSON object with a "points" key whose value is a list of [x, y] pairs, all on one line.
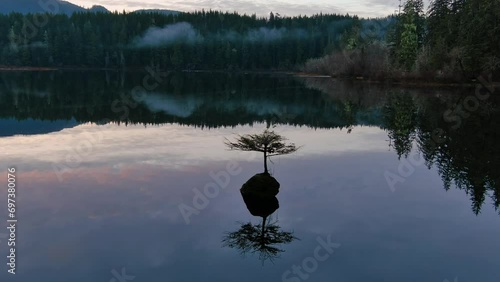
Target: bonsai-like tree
{"points": [[268, 142]]}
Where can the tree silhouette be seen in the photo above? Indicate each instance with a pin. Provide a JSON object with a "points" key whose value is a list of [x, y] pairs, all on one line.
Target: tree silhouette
{"points": [[268, 142], [259, 239]]}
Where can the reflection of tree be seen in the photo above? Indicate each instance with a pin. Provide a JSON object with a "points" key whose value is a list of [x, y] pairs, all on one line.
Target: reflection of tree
{"points": [[400, 121], [259, 194], [212, 100], [469, 156], [252, 238], [349, 113]]}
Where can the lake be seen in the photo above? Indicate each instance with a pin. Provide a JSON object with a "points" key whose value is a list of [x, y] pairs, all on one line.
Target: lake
{"points": [[126, 177]]}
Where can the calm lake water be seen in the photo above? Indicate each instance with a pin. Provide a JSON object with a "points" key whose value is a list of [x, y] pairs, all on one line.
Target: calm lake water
{"points": [[123, 177]]}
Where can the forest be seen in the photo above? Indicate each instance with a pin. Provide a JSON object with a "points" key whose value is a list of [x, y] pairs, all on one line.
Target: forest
{"points": [[198, 40], [452, 40]]}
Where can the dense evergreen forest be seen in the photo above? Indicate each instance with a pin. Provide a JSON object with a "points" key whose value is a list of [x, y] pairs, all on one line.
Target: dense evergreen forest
{"points": [[198, 40], [453, 40]]}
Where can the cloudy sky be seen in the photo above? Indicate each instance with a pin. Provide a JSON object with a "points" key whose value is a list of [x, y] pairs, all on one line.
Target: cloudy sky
{"points": [[365, 8]]}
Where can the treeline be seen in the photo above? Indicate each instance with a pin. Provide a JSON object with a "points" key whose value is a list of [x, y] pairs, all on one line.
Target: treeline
{"points": [[453, 40], [198, 40], [207, 100]]}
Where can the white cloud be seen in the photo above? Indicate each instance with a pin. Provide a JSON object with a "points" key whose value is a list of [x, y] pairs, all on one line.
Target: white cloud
{"points": [[168, 146]]}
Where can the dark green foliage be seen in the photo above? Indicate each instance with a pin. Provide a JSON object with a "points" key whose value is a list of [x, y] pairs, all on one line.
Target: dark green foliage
{"points": [[457, 37], [227, 40], [467, 33], [479, 35], [400, 115], [458, 40], [410, 33]]}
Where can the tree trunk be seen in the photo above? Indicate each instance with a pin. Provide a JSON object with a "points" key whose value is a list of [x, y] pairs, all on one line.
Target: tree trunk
{"points": [[263, 228], [265, 162]]}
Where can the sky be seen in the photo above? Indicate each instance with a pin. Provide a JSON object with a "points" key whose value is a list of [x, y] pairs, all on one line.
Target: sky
{"points": [[168, 146], [364, 8]]}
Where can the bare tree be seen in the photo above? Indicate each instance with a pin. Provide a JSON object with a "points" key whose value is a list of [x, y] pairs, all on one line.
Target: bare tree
{"points": [[268, 142]]}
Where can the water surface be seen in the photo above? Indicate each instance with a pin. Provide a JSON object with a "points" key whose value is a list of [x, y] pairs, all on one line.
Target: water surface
{"points": [[403, 181]]}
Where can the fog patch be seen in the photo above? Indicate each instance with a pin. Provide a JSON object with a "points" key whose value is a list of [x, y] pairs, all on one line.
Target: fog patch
{"points": [[174, 106], [167, 35]]}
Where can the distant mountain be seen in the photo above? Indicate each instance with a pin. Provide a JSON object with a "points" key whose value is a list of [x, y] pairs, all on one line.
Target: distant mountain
{"points": [[63, 7], [159, 11], [36, 6], [98, 8]]}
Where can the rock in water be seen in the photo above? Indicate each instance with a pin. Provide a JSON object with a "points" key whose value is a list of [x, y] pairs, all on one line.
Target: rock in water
{"points": [[259, 194], [261, 184]]}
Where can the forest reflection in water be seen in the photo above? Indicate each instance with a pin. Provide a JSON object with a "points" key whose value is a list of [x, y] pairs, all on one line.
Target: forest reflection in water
{"points": [[456, 129]]}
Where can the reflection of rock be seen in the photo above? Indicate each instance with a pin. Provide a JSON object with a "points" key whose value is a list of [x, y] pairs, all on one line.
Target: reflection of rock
{"points": [[259, 194], [262, 207]]}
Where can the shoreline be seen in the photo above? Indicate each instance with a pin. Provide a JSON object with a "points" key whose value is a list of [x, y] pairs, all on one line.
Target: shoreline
{"points": [[409, 82], [14, 68]]}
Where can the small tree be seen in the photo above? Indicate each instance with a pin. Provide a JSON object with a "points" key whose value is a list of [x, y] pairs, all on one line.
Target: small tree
{"points": [[409, 46], [268, 142]]}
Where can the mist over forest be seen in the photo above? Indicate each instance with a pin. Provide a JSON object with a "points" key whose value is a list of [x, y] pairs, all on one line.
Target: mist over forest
{"points": [[451, 40], [199, 40]]}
